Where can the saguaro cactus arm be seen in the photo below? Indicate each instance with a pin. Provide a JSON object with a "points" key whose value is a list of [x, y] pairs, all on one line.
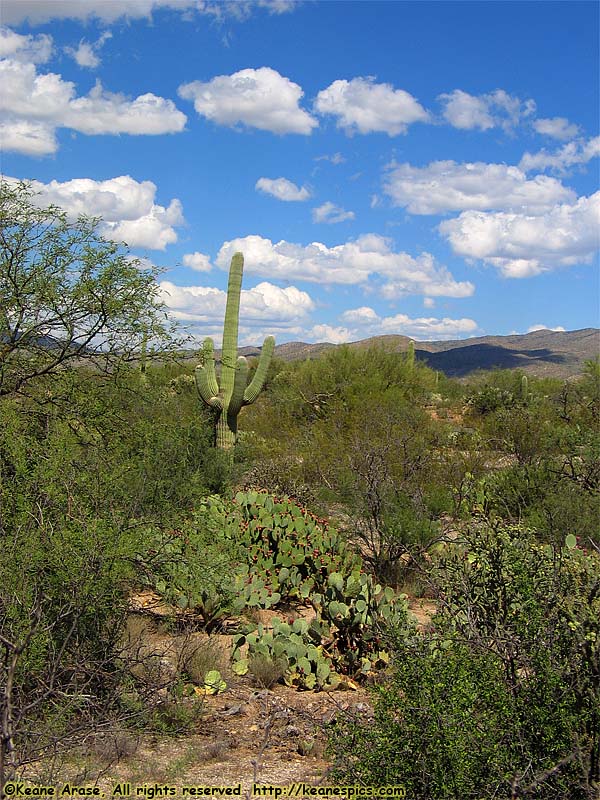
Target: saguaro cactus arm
{"points": [[239, 386], [258, 381], [206, 378]]}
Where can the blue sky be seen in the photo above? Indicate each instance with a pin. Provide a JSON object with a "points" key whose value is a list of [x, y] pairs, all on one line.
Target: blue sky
{"points": [[428, 169]]}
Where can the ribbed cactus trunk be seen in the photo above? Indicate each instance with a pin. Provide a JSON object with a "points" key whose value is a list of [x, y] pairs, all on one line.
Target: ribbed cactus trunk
{"points": [[228, 396], [227, 423], [410, 354]]}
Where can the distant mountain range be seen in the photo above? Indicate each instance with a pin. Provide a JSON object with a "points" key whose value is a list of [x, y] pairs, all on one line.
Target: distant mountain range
{"points": [[542, 353]]}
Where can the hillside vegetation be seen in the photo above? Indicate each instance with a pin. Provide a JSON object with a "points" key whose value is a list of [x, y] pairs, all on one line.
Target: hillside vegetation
{"points": [[545, 353], [362, 479]]}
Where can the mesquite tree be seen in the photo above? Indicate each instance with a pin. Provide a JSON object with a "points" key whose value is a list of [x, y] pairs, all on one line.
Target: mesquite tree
{"points": [[68, 296]]}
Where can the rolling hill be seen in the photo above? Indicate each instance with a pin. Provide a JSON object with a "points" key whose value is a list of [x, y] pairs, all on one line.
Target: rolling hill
{"points": [[542, 353]]}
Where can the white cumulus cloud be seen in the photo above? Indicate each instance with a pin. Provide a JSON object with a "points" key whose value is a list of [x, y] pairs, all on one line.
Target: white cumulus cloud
{"points": [[444, 186], [266, 305], [368, 259], [329, 333], [282, 189], [579, 151], [198, 261], [521, 245], [367, 322], [104, 112], [86, 54], [32, 49], [494, 109], [556, 127], [362, 317], [330, 213], [45, 102], [28, 137], [363, 106], [127, 208], [258, 98]]}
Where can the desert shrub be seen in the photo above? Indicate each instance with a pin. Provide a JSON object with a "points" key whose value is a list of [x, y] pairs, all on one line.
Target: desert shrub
{"points": [[501, 698], [62, 611], [89, 464], [267, 670], [541, 497], [489, 399], [197, 657], [565, 508], [192, 566]]}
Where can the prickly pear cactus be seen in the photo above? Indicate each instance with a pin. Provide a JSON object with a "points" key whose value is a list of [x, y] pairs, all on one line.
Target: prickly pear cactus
{"points": [[230, 393]]}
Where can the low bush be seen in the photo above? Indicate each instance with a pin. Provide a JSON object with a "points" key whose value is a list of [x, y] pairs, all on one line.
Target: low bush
{"points": [[501, 698]]}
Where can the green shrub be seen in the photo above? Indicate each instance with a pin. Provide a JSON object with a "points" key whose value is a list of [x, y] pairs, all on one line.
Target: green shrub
{"points": [[501, 698], [192, 566], [489, 399], [62, 611]]}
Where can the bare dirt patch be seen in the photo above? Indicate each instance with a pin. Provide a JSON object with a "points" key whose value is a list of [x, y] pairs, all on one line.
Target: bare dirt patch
{"points": [[242, 736], [423, 610]]}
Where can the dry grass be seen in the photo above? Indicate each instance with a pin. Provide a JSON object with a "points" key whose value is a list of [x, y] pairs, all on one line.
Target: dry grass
{"points": [[267, 671]]}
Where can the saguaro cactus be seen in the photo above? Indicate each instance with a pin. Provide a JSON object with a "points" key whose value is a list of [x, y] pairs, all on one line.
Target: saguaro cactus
{"points": [[229, 394], [526, 395], [410, 354]]}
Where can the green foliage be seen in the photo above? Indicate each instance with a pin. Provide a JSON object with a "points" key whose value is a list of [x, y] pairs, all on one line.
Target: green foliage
{"points": [[88, 467], [501, 698], [69, 297], [290, 552], [323, 387], [227, 396], [292, 555], [410, 355], [378, 464], [192, 567], [536, 496], [62, 609], [490, 399], [139, 443], [546, 464]]}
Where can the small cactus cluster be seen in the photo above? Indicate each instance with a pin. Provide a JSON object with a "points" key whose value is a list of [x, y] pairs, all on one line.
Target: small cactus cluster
{"points": [[290, 551], [308, 666], [292, 559], [295, 555], [358, 610], [228, 395]]}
